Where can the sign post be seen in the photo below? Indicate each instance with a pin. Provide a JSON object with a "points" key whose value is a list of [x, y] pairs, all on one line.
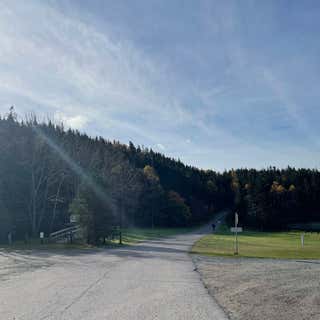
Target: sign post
{"points": [[236, 221], [41, 237], [302, 239], [74, 218]]}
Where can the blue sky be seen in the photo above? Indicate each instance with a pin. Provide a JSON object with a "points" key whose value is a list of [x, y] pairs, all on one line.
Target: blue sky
{"points": [[218, 84]]}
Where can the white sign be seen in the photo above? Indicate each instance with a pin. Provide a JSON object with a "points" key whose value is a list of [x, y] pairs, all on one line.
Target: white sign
{"points": [[236, 219], [74, 218], [238, 229], [41, 235]]}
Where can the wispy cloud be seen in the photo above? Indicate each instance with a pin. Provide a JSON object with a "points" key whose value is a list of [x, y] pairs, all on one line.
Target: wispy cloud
{"points": [[160, 146], [287, 102], [67, 65], [204, 80], [74, 122]]}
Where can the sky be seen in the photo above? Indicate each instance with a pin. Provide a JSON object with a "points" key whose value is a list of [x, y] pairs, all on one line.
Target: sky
{"points": [[217, 84]]}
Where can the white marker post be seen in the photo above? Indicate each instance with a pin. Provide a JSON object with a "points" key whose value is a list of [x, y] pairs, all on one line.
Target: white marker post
{"points": [[302, 239]]}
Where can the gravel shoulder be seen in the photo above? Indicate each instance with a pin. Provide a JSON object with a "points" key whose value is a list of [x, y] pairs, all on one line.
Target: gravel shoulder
{"points": [[263, 289]]}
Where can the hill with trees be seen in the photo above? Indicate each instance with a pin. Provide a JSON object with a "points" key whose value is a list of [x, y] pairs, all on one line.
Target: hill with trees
{"points": [[49, 172]]}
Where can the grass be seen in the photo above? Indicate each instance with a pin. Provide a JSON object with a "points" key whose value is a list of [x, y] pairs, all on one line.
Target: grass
{"points": [[134, 235], [283, 245]]}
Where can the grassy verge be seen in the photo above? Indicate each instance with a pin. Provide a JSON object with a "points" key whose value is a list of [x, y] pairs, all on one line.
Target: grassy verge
{"points": [[134, 235], [285, 245]]}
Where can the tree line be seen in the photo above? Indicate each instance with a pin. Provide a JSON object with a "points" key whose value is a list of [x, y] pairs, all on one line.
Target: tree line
{"points": [[276, 199], [48, 172]]}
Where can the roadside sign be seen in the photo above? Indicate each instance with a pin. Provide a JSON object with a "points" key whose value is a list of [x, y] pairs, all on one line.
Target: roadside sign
{"points": [[74, 218], [236, 219], [41, 237], [236, 230]]}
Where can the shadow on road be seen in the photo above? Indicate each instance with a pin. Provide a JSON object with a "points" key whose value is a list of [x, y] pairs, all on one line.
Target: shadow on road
{"points": [[170, 248]]}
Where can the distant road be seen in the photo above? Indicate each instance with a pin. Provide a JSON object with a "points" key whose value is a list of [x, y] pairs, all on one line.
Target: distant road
{"points": [[152, 280]]}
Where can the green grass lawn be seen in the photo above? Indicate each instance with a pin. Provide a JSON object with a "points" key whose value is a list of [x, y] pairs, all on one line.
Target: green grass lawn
{"points": [[134, 235], [286, 245]]}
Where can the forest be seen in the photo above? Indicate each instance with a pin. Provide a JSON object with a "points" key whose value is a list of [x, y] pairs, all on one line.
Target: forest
{"points": [[48, 172]]}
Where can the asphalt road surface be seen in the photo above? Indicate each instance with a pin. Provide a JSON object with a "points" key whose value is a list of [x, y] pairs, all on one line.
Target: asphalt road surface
{"points": [[152, 280]]}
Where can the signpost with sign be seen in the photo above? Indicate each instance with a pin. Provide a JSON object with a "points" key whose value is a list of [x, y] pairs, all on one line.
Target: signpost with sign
{"points": [[74, 218], [235, 230], [41, 237]]}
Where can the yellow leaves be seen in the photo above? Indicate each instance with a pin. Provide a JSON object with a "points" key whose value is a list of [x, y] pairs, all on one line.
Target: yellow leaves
{"points": [[235, 185], [292, 188], [277, 187], [151, 173]]}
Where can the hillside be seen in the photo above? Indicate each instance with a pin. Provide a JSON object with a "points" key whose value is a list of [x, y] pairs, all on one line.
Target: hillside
{"points": [[48, 173]]}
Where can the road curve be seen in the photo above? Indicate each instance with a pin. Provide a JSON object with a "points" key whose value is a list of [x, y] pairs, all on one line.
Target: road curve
{"points": [[151, 280]]}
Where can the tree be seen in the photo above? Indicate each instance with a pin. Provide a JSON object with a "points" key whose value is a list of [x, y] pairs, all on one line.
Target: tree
{"points": [[125, 186], [152, 193], [44, 167], [79, 207], [177, 212], [5, 219]]}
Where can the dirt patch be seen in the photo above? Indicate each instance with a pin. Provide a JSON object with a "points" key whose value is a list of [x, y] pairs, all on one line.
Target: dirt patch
{"points": [[263, 289]]}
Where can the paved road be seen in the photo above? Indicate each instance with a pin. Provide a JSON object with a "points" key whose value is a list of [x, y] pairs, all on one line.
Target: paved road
{"points": [[152, 280]]}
